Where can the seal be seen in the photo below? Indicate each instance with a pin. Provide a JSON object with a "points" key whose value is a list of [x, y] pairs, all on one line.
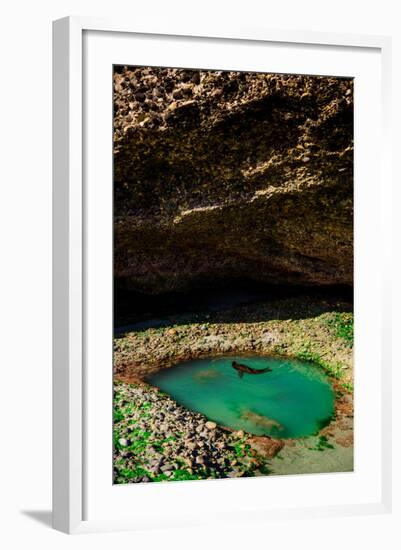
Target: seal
{"points": [[241, 369]]}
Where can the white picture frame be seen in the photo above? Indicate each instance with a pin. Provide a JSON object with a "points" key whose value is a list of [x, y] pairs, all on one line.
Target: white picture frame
{"points": [[70, 260]]}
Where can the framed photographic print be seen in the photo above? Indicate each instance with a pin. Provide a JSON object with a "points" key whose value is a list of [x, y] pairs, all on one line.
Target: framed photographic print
{"points": [[219, 211]]}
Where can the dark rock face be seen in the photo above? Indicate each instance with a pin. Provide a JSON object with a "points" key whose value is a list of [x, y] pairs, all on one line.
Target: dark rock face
{"points": [[221, 176]]}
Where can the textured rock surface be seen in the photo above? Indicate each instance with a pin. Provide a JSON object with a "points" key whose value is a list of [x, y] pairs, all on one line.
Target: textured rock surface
{"points": [[224, 176]]}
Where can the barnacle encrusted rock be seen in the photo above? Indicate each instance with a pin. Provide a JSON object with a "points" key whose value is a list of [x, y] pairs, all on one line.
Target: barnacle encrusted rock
{"points": [[221, 176]]}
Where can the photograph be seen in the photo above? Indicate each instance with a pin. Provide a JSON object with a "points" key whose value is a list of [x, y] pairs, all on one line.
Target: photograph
{"points": [[201, 226], [233, 270]]}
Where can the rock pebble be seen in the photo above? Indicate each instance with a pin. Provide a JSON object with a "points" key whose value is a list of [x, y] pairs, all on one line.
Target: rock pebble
{"points": [[184, 446]]}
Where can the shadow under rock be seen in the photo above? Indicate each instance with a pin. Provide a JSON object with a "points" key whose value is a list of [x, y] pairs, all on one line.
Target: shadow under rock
{"points": [[228, 306]]}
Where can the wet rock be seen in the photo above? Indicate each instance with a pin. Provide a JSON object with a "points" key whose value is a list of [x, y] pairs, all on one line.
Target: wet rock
{"points": [[235, 473], [167, 468], [266, 446]]}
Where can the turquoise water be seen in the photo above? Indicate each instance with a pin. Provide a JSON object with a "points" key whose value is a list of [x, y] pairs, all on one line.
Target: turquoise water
{"points": [[295, 399]]}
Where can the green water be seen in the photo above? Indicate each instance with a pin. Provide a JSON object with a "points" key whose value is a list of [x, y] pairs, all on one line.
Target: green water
{"points": [[295, 399]]}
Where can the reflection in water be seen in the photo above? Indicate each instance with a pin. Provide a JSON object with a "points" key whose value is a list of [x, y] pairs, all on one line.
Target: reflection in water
{"points": [[206, 375], [261, 420]]}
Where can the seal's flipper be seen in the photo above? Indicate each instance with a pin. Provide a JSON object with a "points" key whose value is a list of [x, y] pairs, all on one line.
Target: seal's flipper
{"points": [[240, 373]]}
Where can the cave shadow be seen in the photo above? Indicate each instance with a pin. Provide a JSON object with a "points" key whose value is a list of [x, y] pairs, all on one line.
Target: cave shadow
{"points": [[135, 312]]}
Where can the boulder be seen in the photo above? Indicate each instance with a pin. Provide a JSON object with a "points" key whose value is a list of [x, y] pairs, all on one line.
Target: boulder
{"points": [[266, 446]]}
